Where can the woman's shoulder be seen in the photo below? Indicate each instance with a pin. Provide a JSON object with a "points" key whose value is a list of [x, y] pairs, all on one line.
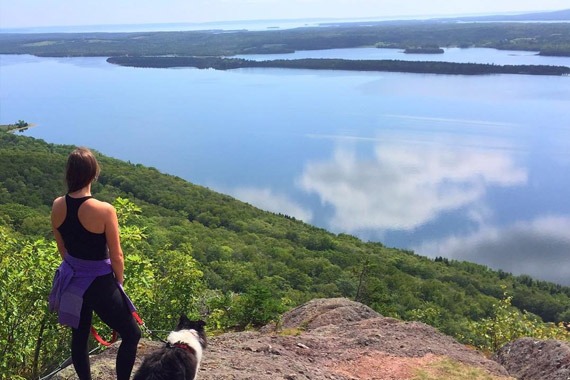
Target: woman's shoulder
{"points": [[58, 210], [100, 209], [59, 201], [99, 205]]}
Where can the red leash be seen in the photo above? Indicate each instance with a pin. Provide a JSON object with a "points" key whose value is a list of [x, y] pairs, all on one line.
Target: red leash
{"points": [[114, 336]]}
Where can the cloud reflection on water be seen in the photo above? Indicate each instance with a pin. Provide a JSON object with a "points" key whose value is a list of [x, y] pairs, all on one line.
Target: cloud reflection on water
{"points": [[538, 248], [423, 169], [416, 172], [266, 199], [404, 186]]}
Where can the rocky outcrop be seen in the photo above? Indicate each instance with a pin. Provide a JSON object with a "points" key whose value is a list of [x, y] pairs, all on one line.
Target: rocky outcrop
{"points": [[329, 339], [323, 312], [532, 359]]}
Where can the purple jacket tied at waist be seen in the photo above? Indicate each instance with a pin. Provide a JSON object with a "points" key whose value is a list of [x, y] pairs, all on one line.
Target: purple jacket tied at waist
{"points": [[70, 282]]}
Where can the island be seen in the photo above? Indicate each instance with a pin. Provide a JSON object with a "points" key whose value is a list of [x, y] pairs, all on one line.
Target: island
{"points": [[420, 67], [424, 50]]}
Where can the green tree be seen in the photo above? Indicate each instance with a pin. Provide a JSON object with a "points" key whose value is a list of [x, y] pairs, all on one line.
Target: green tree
{"points": [[177, 288], [21, 124], [258, 306], [507, 324], [30, 339]]}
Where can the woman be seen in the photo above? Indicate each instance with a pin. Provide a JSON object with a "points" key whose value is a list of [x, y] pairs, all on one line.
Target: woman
{"points": [[90, 277]]}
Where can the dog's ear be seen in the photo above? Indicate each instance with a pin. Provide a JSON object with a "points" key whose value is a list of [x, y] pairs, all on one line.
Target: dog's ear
{"points": [[182, 322], [197, 325]]}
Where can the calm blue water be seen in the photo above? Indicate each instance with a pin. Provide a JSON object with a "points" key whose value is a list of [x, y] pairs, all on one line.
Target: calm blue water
{"points": [[478, 55], [251, 25], [471, 168]]}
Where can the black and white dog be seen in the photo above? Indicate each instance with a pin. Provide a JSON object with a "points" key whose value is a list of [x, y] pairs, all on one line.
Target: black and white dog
{"points": [[181, 356]]}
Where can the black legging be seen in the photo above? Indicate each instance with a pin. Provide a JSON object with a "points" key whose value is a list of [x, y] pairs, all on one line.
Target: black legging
{"points": [[105, 298]]}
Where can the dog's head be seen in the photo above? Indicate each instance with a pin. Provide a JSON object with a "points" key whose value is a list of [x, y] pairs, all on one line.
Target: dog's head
{"points": [[186, 324]]}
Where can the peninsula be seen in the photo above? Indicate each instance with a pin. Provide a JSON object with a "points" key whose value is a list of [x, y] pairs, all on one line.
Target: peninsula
{"points": [[449, 68]]}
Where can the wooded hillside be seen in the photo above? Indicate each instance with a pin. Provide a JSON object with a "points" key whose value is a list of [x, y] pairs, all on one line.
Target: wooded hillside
{"points": [[189, 249]]}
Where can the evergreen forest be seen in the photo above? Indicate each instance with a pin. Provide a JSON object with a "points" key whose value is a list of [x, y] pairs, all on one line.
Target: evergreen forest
{"points": [[191, 250]]}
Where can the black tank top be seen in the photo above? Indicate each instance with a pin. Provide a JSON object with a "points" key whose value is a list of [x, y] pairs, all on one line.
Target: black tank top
{"points": [[79, 242]]}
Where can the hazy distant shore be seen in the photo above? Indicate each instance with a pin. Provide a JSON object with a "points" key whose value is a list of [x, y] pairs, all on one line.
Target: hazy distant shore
{"points": [[550, 39]]}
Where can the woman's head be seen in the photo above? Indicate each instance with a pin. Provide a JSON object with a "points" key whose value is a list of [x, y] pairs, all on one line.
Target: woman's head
{"points": [[82, 168]]}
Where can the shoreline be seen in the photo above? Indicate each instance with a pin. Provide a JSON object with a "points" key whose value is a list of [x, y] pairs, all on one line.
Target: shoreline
{"points": [[13, 128]]}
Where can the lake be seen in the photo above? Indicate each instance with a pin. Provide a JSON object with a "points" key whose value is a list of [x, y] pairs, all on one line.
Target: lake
{"points": [[469, 168]]}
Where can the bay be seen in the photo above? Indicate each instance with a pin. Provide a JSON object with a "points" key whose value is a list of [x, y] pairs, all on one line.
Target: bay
{"points": [[470, 168]]}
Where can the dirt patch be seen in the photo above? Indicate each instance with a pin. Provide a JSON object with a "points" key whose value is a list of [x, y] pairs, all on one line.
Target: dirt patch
{"points": [[382, 366]]}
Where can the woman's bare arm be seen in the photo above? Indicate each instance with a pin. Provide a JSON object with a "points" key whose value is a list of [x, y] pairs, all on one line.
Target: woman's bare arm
{"points": [[114, 242], [57, 216]]}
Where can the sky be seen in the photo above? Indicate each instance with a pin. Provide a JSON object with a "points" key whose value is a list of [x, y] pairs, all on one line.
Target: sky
{"points": [[41, 13]]}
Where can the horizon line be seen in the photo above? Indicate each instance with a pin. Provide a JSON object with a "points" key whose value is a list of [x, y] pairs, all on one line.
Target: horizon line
{"points": [[320, 20]]}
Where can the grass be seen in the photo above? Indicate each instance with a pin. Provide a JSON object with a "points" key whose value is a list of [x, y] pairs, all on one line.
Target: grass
{"points": [[293, 331], [447, 369]]}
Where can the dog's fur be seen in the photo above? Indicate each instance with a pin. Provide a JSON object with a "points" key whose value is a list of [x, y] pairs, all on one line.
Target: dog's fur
{"points": [[181, 356]]}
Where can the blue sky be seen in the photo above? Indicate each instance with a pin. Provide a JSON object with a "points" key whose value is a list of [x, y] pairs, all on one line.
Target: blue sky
{"points": [[38, 13]]}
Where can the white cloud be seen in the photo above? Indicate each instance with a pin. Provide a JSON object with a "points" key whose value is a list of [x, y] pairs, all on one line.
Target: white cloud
{"points": [[403, 187], [266, 199], [538, 248]]}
